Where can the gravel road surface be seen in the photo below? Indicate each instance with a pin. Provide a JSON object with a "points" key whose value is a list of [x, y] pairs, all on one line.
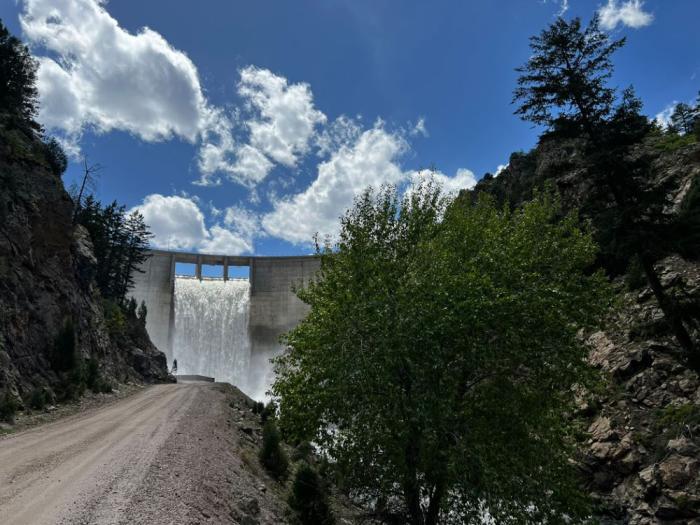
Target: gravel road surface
{"points": [[169, 454]]}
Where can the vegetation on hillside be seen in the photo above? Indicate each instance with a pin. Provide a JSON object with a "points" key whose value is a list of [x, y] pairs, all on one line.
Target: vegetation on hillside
{"points": [[564, 86], [119, 239]]}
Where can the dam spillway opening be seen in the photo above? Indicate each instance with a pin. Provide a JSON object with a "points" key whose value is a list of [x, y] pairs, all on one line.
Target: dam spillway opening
{"points": [[217, 324], [211, 330]]}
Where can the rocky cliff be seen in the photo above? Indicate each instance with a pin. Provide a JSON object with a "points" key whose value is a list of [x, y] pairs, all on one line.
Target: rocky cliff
{"points": [[46, 286], [641, 452]]}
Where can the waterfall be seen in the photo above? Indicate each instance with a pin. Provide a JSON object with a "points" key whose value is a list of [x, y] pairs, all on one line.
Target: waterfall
{"points": [[211, 329]]}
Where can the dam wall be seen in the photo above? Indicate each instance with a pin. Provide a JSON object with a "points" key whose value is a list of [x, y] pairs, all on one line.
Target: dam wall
{"points": [[274, 307]]}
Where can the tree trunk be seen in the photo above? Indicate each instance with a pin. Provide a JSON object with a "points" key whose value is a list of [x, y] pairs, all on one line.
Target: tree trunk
{"points": [[434, 506], [670, 311]]}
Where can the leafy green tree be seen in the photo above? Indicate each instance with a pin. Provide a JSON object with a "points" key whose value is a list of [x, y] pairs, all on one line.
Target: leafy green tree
{"points": [[435, 365], [683, 117], [308, 500], [564, 86], [18, 93]]}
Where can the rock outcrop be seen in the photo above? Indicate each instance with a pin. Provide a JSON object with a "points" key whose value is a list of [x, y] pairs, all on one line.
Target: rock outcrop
{"points": [[46, 269], [641, 456]]}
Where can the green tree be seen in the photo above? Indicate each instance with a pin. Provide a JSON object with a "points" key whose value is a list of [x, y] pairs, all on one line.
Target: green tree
{"points": [[566, 76], [308, 500], [272, 456], [18, 93], [436, 362], [683, 117], [120, 242], [564, 86]]}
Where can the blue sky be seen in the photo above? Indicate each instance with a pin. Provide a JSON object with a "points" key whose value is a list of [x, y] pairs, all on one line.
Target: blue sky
{"points": [[245, 127]]}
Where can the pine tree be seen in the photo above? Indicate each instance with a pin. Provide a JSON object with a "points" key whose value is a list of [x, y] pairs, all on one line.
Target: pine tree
{"points": [[564, 87], [18, 92], [683, 117]]}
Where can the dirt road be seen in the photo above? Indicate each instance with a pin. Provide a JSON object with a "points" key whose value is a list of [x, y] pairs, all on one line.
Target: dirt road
{"points": [[169, 454]]}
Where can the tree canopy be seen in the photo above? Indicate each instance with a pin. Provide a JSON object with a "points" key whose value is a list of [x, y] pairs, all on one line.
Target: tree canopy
{"points": [[435, 365], [18, 93]]}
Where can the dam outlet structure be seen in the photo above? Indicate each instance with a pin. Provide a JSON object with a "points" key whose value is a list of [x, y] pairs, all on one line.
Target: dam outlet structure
{"points": [[224, 328]]}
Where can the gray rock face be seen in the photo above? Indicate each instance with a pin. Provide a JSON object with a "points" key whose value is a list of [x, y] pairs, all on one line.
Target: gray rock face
{"points": [[46, 270], [641, 459]]}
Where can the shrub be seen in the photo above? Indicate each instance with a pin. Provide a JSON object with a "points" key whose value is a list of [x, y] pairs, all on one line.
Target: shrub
{"points": [[308, 500], [272, 457], [258, 407], [8, 407], [56, 157], [114, 318], [269, 412], [38, 399]]}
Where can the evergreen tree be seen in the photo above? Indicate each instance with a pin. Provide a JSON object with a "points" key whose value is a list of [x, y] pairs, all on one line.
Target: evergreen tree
{"points": [[683, 117], [18, 93], [564, 86], [308, 500], [120, 244]]}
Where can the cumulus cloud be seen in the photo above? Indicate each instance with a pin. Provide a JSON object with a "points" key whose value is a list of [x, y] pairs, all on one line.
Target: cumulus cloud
{"points": [[629, 13], [370, 160], [177, 223], [108, 78], [101, 77], [463, 179], [285, 115]]}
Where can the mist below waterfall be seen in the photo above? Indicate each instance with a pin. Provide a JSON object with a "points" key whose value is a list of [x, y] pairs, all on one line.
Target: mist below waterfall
{"points": [[211, 329]]}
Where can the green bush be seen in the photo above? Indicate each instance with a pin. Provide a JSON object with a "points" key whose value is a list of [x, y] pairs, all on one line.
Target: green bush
{"points": [[308, 500], [272, 457], [258, 407], [8, 407], [114, 318], [56, 157], [38, 399], [268, 412]]}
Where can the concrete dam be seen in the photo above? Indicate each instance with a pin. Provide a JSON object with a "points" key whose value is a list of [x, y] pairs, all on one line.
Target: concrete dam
{"points": [[223, 327]]}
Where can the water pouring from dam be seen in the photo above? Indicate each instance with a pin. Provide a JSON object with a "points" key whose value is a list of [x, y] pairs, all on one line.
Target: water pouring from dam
{"points": [[223, 328], [211, 329]]}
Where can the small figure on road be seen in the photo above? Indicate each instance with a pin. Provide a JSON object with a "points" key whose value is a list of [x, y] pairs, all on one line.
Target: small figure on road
{"points": [[174, 371]]}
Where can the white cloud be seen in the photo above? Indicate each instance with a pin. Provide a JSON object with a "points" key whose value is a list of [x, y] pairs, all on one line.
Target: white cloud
{"points": [[177, 223], [629, 13], [285, 116], [108, 78], [663, 117], [370, 160], [419, 128], [463, 179], [343, 131]]}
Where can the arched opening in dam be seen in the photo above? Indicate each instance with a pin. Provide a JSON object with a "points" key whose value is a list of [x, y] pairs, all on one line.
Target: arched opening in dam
{"points": [[222, 316]]}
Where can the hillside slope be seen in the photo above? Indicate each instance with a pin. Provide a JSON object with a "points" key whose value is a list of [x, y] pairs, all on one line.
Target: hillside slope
{"points": [[46, 285], [641, 456]]}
